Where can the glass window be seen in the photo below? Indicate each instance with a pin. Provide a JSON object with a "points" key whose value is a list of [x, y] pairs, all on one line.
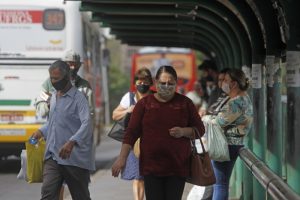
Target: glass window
{"points": [[54, 19]]}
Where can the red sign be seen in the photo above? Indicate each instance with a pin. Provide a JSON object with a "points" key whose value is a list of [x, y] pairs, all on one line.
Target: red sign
{"points": [[20, 16]]}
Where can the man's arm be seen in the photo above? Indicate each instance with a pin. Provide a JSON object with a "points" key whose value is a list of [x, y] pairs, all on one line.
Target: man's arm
{"points": [[85, 130]]}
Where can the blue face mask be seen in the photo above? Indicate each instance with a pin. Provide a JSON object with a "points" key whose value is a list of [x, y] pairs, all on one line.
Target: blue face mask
{"points": [[165, 91]]}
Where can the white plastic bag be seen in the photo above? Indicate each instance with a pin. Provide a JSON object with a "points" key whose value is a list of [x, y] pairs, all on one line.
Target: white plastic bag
{"points": [[22, 174], [217, 142], [200, 193]]}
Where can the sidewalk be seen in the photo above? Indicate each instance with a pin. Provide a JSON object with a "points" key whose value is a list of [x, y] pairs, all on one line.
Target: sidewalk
{"points": [[106, 187], [103, 185]]}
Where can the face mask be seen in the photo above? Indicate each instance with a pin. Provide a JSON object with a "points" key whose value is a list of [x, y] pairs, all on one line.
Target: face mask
{"points": [[60, 85], [226, 88], [143, 88], [209, 89], [73, 72], [73, 82], [165, 91]]}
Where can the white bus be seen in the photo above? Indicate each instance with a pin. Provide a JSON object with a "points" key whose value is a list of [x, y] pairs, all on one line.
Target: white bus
{"points": [[34, 33]]}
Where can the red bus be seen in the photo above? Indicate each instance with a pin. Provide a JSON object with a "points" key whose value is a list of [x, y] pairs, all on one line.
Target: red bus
{"points": [[183, 60]]}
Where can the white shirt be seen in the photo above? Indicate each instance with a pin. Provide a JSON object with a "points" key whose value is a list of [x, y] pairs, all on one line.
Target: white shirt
{"points": [[197, 100], [125, 101]]}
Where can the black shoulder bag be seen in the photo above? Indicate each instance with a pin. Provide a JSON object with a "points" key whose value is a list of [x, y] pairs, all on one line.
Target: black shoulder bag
{"points": [[118, 130]]}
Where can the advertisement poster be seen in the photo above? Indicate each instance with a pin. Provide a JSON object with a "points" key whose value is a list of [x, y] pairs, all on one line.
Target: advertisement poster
{"points": [[293, 69], [256, 76]]}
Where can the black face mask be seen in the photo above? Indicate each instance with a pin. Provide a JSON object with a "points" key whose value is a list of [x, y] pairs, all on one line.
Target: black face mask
{"points": [[143, 88], [60, 85], [73, 72]]}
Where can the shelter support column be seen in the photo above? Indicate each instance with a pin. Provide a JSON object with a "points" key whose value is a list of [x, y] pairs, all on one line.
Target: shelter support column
{"points": [[259, 117], [293, 96]]}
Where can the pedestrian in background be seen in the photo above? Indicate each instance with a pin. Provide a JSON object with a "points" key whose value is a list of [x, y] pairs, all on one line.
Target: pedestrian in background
{"points": [[73, 60], [235, 118], [197, 96], [42, 101], [69, 138], [218, 95], [142, 81], [164, 122]]}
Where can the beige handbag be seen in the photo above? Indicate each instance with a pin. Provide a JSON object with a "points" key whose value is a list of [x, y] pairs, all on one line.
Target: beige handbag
{"points": [[136, 148]]}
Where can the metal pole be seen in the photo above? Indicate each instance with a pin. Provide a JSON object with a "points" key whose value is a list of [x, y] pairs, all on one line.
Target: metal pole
{"points": [[293, 95], [272, 183], [259, 119], [104, 65], [274, 115]]}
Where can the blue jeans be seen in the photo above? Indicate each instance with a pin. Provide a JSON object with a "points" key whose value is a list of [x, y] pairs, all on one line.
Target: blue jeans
{"points": [[223, 172]]}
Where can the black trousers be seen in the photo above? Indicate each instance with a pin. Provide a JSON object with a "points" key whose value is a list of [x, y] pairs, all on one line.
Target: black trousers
{"points": [[164, 188], [76, 178]]}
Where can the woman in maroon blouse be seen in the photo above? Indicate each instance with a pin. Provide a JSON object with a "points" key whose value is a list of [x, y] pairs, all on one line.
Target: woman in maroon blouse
{"points": [[164, 122]]}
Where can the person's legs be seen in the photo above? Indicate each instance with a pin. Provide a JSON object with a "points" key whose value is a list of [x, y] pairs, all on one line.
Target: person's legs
{"points": [[52, 180], [174, 187], [77, 180], [223, 172], [154, 187], [138, 189]]}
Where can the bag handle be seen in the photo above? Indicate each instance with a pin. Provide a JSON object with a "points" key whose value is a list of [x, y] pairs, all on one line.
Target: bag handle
{"points": [[131, 98], [196, 132]]}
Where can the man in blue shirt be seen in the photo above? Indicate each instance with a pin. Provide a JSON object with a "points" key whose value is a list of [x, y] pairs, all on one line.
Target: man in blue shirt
{"points": [[68, 134]]}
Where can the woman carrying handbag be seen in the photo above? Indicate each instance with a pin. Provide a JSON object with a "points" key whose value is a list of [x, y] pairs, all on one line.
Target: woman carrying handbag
{"points": [[164, 123], [143, 82]]}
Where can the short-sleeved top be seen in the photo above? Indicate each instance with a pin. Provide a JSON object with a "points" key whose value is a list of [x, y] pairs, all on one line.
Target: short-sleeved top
{"points": [[236, 118], [125, 101], [162, 154]]}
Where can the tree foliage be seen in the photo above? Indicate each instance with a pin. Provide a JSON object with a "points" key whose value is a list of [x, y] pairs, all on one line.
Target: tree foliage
{"points": [[118, 79]]}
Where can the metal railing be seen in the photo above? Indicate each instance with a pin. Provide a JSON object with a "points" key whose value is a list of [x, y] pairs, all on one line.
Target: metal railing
{"points": [[273, 184]]}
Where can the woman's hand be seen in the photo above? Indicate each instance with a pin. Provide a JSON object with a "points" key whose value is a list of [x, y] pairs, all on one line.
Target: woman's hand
{"points": [[130, 109], [179, 132], [120, 112], [118, 166]]}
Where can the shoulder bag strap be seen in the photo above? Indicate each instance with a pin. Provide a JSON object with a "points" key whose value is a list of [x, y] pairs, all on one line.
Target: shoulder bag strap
{"points": [[196, 132], [131, 98]]}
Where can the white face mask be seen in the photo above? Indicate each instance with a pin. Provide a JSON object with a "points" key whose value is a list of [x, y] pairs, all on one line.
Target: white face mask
{"points": [[209, 89], [226, 88]]}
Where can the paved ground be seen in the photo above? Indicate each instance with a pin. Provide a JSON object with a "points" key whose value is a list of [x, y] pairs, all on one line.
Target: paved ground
{"points": [[103, 185]]}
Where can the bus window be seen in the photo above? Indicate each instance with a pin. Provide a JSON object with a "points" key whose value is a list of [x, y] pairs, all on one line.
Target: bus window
{"points": [[54, 19]]}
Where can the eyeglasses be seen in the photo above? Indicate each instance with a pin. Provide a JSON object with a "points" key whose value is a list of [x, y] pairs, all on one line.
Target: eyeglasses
{"points": [[166, 83]]}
